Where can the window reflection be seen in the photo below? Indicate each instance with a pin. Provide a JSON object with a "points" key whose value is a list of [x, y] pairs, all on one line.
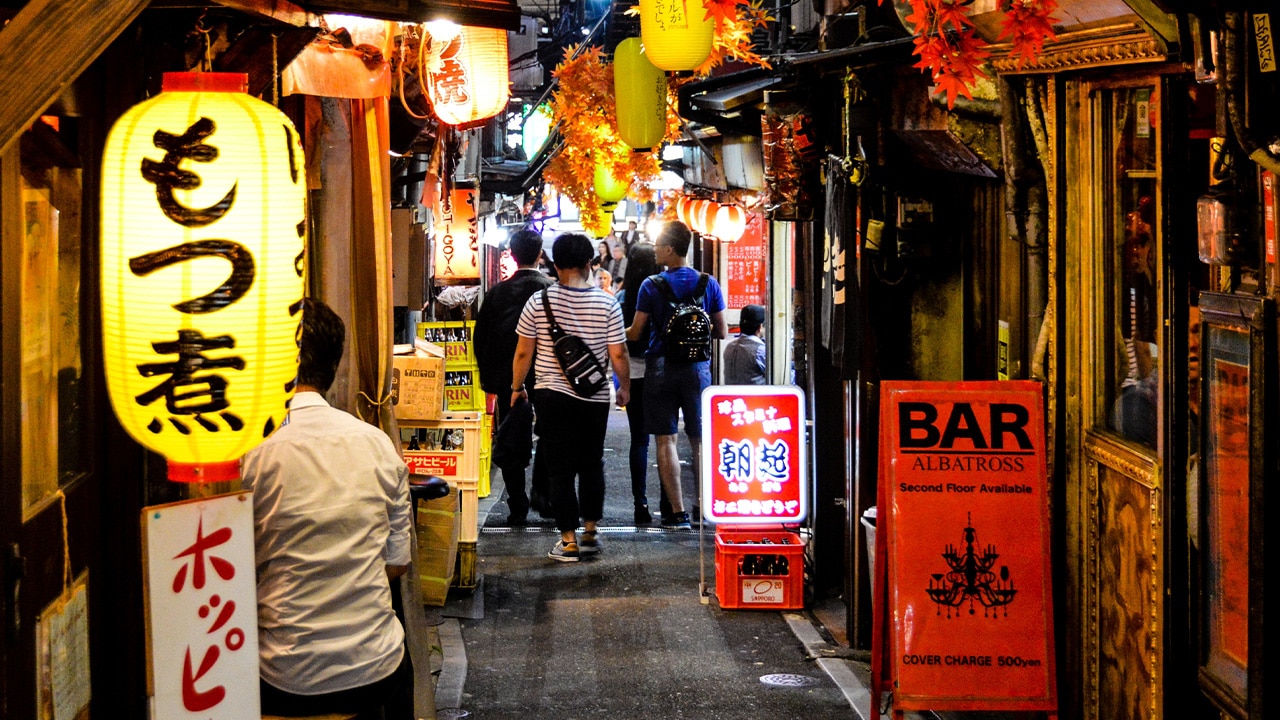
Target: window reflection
{"points": [[1131, 219]]}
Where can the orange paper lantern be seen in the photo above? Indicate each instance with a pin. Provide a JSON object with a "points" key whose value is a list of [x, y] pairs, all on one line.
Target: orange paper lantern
{"points": [[466, 72], [703, 215], [676, 33], [455, 238], [683, 206], [729, 224]]}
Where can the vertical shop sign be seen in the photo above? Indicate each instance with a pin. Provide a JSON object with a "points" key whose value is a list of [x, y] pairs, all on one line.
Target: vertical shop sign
{"points": [[753, 455], [748, 266], [965, 519], [202, 608]]}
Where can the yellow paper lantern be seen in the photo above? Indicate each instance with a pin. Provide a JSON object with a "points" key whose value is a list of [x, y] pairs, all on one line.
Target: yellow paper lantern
{"points": [[640, 89], [203, 239], [676, 33], [456, 238], [729, 224], [466, 72], [609, 188]]}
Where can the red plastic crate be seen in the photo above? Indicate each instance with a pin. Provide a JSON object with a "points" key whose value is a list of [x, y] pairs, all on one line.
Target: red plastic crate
{"points": [[759, 569]]}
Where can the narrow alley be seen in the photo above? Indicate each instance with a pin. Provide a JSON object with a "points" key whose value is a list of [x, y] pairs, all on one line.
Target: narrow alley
{"points": [[623, 634]]}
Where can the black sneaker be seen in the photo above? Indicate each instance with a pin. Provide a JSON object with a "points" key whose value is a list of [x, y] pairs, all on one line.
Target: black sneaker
{"points": [[565, 552], [590, 543], [642, 515], [677, 521]]}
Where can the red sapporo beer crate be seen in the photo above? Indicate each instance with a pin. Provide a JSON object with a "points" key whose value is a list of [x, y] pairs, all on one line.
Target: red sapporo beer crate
{"points": [[759, 568]]}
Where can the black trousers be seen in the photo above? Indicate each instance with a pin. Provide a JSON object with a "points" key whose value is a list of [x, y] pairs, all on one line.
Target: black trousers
{"points": [[376, 701], [571, 436]]}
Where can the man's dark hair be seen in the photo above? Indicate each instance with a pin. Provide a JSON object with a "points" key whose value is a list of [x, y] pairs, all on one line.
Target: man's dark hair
{"points": [[572, 250], [677, 235], [751, 318], [526, 245], [320, 347]]}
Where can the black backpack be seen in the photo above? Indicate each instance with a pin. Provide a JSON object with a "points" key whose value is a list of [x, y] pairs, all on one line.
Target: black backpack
{"points": [[581, 368], [687, 335]]}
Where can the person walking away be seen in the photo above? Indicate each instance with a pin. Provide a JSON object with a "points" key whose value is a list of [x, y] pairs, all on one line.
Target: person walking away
{"points": [[495, 346], [569, 427], [640, 265], [674, 384], [331, 526], [744, 356], [617, 267]]}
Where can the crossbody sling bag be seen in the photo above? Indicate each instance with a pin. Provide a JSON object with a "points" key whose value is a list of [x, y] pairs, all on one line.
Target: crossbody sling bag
{"points": [[581, 367]]}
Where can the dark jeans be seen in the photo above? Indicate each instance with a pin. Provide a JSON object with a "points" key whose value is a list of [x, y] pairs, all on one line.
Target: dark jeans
{"points": [[571, 436], [374, 701], [639, 455]]}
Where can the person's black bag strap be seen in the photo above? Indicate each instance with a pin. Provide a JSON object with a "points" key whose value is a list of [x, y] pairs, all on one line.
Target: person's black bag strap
{"points": [[699, 290], [556, 331]]}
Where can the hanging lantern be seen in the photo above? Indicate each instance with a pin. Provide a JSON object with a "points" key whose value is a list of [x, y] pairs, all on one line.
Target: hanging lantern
{"points": [[609, 189], [203, 234], [730, 223], [676, 33], [703, 214], [641, 92], [455, 238], [684, 207], [466, 72]]}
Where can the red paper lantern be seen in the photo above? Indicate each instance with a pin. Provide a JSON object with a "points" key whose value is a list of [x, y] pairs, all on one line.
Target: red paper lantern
{"points": [[730, 223]]}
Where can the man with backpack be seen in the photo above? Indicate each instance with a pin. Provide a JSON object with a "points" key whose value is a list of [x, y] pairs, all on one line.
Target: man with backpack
{"points": [[683, 310]]}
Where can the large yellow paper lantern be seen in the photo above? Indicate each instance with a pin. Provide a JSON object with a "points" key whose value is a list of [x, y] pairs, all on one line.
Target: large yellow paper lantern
{"points": [[466, 72], [640, 89], [609, 188], [676, 33], [203, 238], [456, 238]]}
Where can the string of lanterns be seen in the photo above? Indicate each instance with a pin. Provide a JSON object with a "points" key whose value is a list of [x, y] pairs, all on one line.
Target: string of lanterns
{"points": [[723, 221]]}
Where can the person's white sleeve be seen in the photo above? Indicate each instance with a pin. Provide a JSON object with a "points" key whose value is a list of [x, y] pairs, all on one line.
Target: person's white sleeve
{"points": [[399, 511]]}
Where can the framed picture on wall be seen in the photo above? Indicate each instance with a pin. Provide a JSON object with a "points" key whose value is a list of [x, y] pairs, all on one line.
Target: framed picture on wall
{"points": [[1237, 341]]}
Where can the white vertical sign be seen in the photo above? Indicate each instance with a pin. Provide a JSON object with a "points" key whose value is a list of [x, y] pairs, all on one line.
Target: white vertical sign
{"points": [[202, 608]]}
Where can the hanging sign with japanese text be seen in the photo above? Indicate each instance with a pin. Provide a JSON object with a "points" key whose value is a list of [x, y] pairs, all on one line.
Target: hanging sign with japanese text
{"points": [[747, 265], [202, 608], [754, 468], [965, 518]]}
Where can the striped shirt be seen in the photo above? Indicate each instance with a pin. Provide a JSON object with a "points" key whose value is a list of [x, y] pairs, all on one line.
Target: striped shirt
{"points": [[590, 313]]}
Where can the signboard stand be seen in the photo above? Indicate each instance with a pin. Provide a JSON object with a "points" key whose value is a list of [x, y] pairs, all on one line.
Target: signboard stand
{"points": [[963, 611], [754, 480]]}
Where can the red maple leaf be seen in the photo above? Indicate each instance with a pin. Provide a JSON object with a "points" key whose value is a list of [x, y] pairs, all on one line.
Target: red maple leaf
{"points": [[1028, 24], [955, 14], [721, 10]]}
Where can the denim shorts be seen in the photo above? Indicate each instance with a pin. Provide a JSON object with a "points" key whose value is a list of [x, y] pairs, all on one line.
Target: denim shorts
{"points": [[672, 388]]}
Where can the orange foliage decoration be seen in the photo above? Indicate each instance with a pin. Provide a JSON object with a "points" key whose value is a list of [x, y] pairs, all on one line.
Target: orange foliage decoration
{"points": [[584, 105], [952, 52], [735, 22]]}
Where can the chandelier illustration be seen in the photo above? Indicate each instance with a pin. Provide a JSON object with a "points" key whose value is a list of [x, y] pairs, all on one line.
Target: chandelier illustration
{"points": [[971, 579]]}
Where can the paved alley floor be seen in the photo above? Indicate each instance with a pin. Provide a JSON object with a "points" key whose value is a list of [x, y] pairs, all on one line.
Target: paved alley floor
{"points": [[626, 634]]}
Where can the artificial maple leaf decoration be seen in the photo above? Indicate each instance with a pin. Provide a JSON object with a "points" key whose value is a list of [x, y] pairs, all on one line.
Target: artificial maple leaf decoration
{"points": [[1028, 24], [721, 10], [953, 55]]}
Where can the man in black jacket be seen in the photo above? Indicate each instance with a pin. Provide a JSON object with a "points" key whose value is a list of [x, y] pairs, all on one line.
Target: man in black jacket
{"points": [[495, 339]]}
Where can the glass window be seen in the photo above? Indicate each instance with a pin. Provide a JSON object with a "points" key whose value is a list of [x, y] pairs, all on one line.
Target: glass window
{"points": [[51, 397], [1133, 249]]}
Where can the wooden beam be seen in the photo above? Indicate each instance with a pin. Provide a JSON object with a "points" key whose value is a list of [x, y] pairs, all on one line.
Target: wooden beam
{"points": [[46, 46], [280, 10]]}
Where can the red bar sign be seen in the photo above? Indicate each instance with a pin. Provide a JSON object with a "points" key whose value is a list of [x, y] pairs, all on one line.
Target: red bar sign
{"points": [[964, 512], [444, 465]]}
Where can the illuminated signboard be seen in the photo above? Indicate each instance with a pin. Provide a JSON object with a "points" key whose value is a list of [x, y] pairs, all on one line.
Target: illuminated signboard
{"points": [[964, 517], [754, 468]]}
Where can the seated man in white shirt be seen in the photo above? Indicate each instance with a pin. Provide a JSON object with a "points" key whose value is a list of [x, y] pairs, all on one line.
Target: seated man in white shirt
{"points": [[331, 525]]}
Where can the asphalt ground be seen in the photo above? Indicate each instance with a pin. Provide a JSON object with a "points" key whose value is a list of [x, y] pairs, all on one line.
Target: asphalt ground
{"points": [[629, 632]]}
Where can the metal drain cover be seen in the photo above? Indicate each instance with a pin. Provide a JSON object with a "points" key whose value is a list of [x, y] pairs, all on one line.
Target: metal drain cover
{"points": [[452, 714], [789, 680]]}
